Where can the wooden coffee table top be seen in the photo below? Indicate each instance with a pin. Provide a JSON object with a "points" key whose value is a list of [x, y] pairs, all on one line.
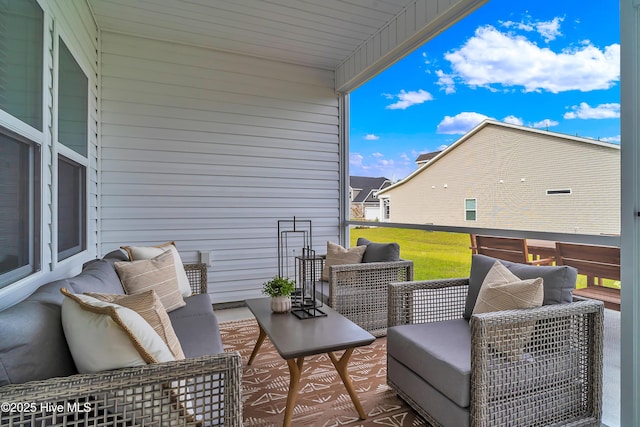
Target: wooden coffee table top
{"points": [[294, 337]]}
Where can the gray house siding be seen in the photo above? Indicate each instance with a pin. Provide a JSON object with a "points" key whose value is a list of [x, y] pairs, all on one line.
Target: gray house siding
{"points": [[211, 149], [508, 171]]}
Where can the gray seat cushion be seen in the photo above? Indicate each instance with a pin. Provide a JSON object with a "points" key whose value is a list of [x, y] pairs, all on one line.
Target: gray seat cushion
{"points": [[32, 343], [439, 353], [379, 252], [558, 282], [196, 326]]}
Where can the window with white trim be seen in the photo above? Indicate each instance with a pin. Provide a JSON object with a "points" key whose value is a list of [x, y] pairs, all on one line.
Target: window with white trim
{"points": [[470, 209], [73, 98], [21, 138]]}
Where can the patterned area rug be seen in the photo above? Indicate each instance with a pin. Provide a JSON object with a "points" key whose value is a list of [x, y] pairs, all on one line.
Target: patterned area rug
{"points": [[322, 399]]}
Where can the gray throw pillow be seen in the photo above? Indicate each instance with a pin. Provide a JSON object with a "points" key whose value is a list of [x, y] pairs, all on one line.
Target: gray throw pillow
{"points": [[379, 252], [558, 282]]}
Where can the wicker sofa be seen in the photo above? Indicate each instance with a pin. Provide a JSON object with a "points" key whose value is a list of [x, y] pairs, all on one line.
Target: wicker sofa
{"points": [[39, 383], [359, 291], [450, 371]]}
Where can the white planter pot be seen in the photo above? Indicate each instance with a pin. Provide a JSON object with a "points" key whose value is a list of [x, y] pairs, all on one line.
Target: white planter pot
{"points": [[280, 304]]}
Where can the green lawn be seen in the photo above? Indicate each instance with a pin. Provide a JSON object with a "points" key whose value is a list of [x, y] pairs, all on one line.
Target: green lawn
{"points": [[435, 255]]}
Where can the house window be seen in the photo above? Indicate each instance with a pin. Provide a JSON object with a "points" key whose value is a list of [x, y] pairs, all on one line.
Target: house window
{"points": [[21, 94], [72, 217], [470, 210], [21, 45], [19, 207], [387, 208], [559, 191], [73, 95]]}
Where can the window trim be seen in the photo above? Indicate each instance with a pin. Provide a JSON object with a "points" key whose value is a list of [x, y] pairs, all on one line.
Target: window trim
{"points": [[35, 212], [60, 149], [474, 210]]}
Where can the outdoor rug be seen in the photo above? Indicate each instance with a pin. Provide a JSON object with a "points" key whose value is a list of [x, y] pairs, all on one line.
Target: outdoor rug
{"points": [[322, 398]]}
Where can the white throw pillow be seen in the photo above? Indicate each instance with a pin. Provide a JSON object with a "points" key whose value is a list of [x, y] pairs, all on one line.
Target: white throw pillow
{"points": [[104, 336], [147, 252]]}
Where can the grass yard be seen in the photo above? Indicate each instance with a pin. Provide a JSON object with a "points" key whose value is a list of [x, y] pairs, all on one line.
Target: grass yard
{"points": [[435, 254]]}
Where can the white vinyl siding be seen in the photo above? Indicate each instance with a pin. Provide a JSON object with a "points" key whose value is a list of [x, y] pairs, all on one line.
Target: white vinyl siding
{"points": [[211, 149], [508, 170]]}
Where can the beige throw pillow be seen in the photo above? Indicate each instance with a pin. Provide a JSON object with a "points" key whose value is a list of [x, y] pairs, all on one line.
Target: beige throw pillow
{"points": [[158, 274], [502, 290], [148, 305], [105, 336], [337, 255], [137, 253]]}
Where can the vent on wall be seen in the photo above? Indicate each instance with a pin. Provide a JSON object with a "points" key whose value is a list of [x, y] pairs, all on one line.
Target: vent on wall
{"points": [[561, 191]]}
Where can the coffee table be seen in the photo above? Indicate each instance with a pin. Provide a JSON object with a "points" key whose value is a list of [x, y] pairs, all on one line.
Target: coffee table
{"points": [[294, 339]]}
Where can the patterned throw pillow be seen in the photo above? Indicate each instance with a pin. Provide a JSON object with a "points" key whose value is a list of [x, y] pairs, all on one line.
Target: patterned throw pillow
{"points": [[503, 290], [137, 253], [148, 305], [158, 274], [337, 255]]}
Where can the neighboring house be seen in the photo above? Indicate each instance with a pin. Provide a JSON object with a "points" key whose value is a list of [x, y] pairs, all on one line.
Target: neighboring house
{"points": [[511, 177], [426, 157], [362, 194]]}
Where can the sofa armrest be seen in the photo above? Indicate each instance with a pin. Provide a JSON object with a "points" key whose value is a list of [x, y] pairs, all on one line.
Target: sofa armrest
{"points": [[359, 291], [426, 301], [549, 357], [199, 391], [197, 275]]}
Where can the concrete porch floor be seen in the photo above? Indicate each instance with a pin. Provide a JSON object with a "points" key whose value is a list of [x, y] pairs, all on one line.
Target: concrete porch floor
{"points": [[611, 374]]}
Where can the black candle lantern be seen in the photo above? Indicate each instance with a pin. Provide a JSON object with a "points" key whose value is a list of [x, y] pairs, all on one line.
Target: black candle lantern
{"points": [[305, 305]]}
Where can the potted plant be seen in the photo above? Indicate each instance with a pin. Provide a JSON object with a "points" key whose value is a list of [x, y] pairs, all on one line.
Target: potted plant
{"points": [[280, 290]]}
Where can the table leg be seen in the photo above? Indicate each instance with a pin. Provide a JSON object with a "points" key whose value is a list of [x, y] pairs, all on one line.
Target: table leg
{"points": [[295, 371], [261, 338], [341, 367]]}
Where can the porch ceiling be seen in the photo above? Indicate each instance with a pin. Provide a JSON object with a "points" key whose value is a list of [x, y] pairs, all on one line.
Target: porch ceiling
{"points": [[318, 33]]}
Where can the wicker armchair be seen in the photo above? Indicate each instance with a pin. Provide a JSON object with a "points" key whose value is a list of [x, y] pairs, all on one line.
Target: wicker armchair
{"points": [[555, 380], [359, 291], [200, 391]]}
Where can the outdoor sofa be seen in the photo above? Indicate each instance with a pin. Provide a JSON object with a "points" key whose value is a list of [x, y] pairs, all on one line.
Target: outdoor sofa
{"points": [[40, 384], [532, 366]]}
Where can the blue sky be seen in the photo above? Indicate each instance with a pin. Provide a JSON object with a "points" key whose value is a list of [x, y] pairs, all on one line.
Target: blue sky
{"points": [[552, 65]]}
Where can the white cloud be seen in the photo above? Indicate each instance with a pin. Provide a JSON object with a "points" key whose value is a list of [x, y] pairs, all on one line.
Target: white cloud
{"points": [[442, 147], [377, 155], [356, 159], [371, 137], [460, 123], [549, 30], [612, 139], [543, 124], [585, 111], [446, 82], [492, 57], [513, 120], [407, 99]]}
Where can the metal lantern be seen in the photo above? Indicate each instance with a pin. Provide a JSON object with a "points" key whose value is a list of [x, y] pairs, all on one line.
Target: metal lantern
{"points": [[308, 274]]}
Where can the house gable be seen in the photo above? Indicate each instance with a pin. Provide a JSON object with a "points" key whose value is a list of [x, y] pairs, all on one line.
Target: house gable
{"points": [[508, 169]]}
